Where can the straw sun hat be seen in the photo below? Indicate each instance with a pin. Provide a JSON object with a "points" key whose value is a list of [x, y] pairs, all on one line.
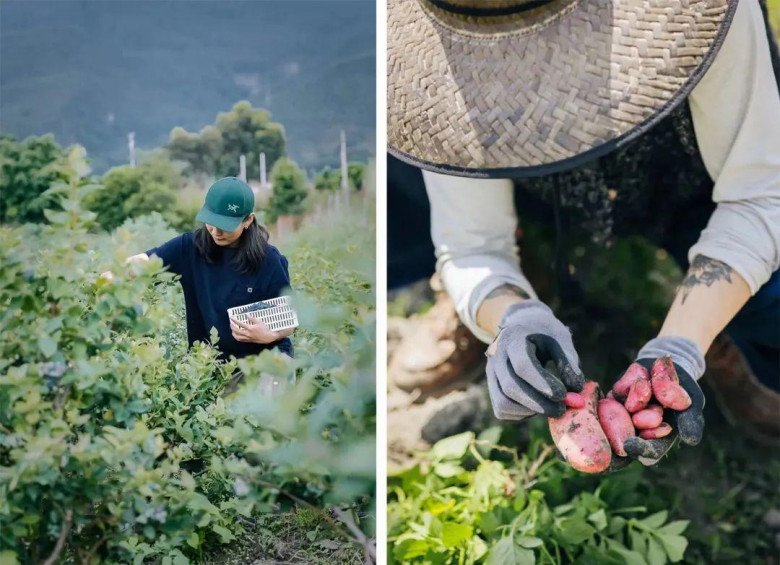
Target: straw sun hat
{"points": [[529, 87]]}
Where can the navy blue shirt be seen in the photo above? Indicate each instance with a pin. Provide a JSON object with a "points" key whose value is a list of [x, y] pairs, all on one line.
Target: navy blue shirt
{"points": [[211, 288]]}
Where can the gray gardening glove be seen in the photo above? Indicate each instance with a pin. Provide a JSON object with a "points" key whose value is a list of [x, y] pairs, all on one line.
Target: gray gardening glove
{"points": [[688, 425], [530, 337]]}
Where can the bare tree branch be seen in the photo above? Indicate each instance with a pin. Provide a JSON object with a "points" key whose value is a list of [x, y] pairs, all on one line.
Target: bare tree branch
{"points": [[61, 541]]}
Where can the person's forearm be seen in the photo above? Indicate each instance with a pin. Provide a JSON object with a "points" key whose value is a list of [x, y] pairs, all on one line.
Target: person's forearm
{"points": [[493, 308], [709, 297]]}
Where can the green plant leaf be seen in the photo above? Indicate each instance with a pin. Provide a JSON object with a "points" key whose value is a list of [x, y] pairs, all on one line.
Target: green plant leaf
{"points": [[528, 541], [638, 541], [655, 520], [674, 546], [599, 555], [440, 507], [489, 437], [224, 534], [8, 557], [616, 525], [410, 549], [574, 531], [454, 534], [630, 557], [598, 519], [478, 548], [677, 527], [507, 551], [655, 553], [453, 447], [193, 540], [447, 469], [47, 345]]}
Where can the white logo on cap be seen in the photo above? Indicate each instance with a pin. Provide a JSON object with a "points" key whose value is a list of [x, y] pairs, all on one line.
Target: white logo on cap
{"points": [[233, 207]]}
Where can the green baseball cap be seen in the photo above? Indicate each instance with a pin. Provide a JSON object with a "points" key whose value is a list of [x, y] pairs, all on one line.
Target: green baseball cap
{"points": [[228, 202]]}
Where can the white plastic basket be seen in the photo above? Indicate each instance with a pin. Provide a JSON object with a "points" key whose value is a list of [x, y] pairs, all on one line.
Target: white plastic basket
{"points": [[275, 313]]}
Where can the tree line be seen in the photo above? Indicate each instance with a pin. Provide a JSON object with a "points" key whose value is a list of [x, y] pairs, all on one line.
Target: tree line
{"points": [[156, 183]]}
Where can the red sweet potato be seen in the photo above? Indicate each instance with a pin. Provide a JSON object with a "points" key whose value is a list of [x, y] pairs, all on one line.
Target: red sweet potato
{"points": [[663, 369], [573, 400], [666, 387], [649, 418], [671, 395], [579, 437], [656, 433], [616, 423], [638, 395], [634, 373]]}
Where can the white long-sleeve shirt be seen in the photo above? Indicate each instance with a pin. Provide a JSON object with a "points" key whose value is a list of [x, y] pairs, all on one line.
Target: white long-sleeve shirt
{"points": [[736, 117]]}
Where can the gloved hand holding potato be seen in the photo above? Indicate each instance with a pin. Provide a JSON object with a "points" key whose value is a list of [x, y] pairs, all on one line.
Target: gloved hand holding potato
{"points": [[656, 401]]}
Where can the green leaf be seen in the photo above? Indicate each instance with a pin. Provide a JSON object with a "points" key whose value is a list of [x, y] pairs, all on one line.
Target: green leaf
{"points": [[224, 534], [453, 447], [409, 549], [655, 520], [454, 534], [446, 469], [574, 531], [489, 438], [677, 527], [598, 519], [674, 546], [8, 557], [616, 525], [478, 548], [599, 555], [655, 553], [440, 507], [563, 509], [630, 557], [638, 541], [193, 541], [528, 541], [47, 345], [489, 522], [507, 551]]}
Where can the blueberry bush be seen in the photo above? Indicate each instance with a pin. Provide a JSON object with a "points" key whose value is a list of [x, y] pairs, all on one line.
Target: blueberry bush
{"points": [[118, 444]]}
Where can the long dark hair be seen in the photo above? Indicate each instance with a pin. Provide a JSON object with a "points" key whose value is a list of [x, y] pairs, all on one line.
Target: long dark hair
{"points": [[252, 247]]}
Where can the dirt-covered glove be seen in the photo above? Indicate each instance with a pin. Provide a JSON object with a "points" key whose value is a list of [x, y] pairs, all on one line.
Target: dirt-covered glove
{"points": [[530, 337], [688, 424]]}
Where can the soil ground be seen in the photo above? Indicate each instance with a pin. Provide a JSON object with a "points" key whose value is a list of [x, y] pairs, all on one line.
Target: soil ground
{"points": [[295, 537]]}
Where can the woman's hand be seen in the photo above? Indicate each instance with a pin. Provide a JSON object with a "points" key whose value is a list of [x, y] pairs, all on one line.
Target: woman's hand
{"points": [[108, 276], [256, 331], [140, 258]]}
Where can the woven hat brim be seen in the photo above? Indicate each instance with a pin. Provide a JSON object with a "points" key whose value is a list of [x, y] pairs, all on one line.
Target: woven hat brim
{"points": [[535, 97]]}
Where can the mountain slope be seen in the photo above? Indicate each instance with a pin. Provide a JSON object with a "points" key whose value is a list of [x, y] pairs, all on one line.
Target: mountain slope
{"points": [[90, 72]]}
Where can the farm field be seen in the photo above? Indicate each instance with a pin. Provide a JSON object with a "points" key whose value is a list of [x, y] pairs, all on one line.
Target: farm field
{"points": [[120, 445]]}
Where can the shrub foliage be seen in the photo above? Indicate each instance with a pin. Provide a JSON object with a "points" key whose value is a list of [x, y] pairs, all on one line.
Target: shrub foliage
{"points": [[119, 444], [289, 189], [28, 168], [472, 500]]}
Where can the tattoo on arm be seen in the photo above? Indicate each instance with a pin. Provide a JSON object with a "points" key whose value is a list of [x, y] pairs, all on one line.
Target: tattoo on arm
{"points": [[508, 290], [704, 271]]}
